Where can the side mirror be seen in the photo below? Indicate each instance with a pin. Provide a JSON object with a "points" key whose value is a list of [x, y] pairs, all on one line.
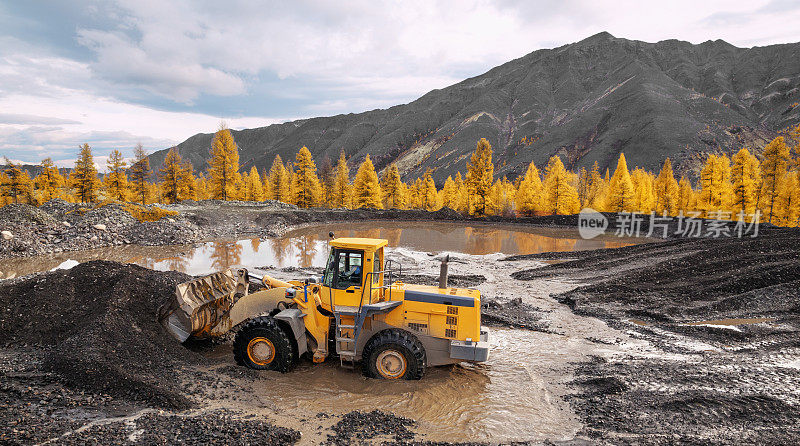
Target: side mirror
{"points": [[330, 234]]}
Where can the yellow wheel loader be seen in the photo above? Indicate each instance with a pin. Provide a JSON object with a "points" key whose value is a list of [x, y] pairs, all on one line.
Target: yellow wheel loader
{"points": [[360, 310]]}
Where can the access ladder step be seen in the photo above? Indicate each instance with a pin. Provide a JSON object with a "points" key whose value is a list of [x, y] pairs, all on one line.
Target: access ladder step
{"points": [[344, 327], [348, 340]]}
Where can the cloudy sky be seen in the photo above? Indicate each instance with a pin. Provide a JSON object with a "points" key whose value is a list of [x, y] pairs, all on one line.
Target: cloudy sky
{"points": [[116, 73]]}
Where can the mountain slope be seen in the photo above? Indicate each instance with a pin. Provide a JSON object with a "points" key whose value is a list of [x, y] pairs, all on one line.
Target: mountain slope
{"points": [[586, 101]]}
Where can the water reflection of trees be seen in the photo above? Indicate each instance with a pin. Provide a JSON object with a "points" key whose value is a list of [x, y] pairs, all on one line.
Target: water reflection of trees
{"points": [[255, 243], [224, 254], [393, 236], [533, 243], [306, 248], [484, 240], [280, 246]]}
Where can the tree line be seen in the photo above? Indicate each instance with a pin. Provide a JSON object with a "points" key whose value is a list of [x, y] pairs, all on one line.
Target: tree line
{"points": [[728, 186]]}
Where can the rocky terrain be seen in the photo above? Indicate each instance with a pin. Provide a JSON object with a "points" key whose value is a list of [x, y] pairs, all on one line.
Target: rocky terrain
{"points": [[721, 317], [587, 101]]}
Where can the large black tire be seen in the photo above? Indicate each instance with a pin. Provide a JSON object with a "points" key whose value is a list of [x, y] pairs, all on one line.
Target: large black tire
{"points": [[394, 354], [261, 344]]}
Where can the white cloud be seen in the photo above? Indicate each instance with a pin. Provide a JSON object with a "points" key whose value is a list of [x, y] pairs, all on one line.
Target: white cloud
{"points": [[306, 57]]}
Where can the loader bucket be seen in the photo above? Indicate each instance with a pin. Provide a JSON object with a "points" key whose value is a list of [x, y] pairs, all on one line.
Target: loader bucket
{"points": [[199, 305]]}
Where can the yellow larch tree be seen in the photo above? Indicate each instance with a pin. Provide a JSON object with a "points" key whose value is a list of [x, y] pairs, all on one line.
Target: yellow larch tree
{"points": [[393, 189], [49, 182], [306, 185], [83, 177], [428, 192], [254, 188], [644, 198], [177, 181], [450, 194], [501, 198], [341, 192], [116, 181], [463, 202], [279, 181], [598, 186], [716, 189], [480, 174], [223, 166], [666, 190], [746, 180], [266, 185], [620, 189], [773, 169], [788, 207], [17, 185], [366, 188], [529, 196], [584, 182], [560, 196], [686, 197], [140, 174]]}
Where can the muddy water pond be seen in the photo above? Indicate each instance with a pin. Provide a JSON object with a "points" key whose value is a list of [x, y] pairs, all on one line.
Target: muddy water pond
{"points": [[307, 247]]}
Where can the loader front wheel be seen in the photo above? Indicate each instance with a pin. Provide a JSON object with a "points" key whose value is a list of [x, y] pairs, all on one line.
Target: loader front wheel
{"points": [[262, 345], [394, 354]]}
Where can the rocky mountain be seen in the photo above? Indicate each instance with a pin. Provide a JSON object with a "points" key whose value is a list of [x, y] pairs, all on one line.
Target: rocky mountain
{"points": [[587, 101]]}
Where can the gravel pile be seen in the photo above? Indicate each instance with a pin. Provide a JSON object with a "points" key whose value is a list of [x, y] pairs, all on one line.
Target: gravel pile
{"points": [[357, 427], [112, 216], [24, 214], [58, 208], [166, 231], [98, 323]]}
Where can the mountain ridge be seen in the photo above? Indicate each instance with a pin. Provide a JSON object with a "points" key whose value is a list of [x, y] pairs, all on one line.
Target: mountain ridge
{"points": [[585, 101]]}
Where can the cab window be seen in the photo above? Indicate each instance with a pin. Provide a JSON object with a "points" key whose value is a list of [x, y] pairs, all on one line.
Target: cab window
{"points": [[348, 269]]}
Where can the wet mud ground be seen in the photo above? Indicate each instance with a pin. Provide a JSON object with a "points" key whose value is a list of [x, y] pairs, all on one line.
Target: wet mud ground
{"points": [[589, 347]]}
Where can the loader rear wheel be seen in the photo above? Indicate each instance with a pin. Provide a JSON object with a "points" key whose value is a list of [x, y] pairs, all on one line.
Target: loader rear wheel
{"points": [[261, 344], [394, 354]]}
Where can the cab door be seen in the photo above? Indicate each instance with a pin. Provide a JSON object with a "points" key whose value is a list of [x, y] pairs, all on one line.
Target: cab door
{"points": [[344, 277]]}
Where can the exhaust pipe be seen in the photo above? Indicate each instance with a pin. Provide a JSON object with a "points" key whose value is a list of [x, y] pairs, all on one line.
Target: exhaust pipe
{"points": [[443, 272]]}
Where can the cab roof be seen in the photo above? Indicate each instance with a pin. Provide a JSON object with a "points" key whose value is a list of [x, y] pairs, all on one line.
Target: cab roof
{"points": [[359, 243]]}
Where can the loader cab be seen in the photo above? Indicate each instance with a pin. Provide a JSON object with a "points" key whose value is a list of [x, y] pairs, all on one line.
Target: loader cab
{"points": [[353, 271]]}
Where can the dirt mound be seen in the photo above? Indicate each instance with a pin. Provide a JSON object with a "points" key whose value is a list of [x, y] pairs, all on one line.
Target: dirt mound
{"points": [[98, 323], [24, 214]]}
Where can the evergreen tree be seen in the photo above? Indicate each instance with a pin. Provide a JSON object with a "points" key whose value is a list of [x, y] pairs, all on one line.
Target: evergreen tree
{"points": [[177, 182], [341, 193], [666, 190], [620, 193], [279, 181], [480, 174], [560, 197], [746, 179], [49, 181], [584, 181], [306, 185], [529, 196], [773, 170], [83, 177], [366, 189], [223, 165], [394, 196], [267, 193], [116, 181], [140, 174], [17, 185]]}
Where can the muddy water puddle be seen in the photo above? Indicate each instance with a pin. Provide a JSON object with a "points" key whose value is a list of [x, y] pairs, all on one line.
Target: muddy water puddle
{"points": [[508, 398], [307, 247]]}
